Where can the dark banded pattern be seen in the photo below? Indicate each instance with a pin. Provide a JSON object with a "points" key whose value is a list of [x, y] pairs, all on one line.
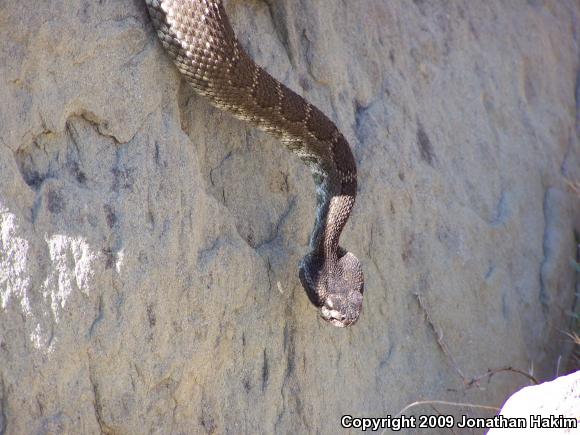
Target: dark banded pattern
{"points": [[198, 36]]}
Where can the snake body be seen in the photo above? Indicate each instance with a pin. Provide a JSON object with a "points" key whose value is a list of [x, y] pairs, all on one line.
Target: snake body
{"points": [[198, 36]]}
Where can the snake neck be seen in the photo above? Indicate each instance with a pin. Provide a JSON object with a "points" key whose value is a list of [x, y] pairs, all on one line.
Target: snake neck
{"points": [[333, 208]]}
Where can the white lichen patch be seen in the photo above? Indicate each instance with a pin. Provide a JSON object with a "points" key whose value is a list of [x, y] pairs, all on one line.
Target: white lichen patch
{"points": [[14, 277], [72, 269]]}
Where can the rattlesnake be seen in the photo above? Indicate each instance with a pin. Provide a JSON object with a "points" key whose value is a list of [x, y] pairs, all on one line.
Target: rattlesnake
{"points": [[198, 36]]}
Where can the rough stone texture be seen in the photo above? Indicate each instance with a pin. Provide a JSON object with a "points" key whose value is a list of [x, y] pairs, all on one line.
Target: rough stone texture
{"points": [[149, 243], [561, 397]]}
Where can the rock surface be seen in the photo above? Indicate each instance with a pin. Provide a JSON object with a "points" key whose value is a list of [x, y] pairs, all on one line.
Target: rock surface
{"points": [[560, 397], [149, 243]]}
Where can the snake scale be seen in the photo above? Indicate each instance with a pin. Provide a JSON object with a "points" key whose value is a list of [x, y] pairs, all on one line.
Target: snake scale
{"points": [[198, 36]]}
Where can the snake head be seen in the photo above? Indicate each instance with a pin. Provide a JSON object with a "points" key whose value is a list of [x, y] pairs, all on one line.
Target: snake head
{"points": [[340, 310], [336, 289]]}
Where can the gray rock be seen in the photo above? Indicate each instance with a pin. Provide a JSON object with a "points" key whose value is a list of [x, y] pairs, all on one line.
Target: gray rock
{"points": [[546, 407], [149, 243]]}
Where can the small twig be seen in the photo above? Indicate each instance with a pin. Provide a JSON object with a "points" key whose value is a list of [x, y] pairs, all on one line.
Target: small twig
{"points": [[444, 402], [492, 372], [441, 402], [438, 335], [574, 187], [575, 337]]}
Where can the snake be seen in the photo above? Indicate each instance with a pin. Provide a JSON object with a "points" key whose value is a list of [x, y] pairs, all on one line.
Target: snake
{"points": [[198, 36]]}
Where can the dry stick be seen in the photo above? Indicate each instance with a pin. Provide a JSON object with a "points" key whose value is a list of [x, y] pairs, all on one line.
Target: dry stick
{"points": [[439, 336], [575, 355], [575, 337], [466, 381], [444, 402], [440, 402], [574, 187], [492, 372]]}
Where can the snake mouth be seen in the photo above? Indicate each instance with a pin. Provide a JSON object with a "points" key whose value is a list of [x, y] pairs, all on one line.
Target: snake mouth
{"points": [[336, 318]]}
